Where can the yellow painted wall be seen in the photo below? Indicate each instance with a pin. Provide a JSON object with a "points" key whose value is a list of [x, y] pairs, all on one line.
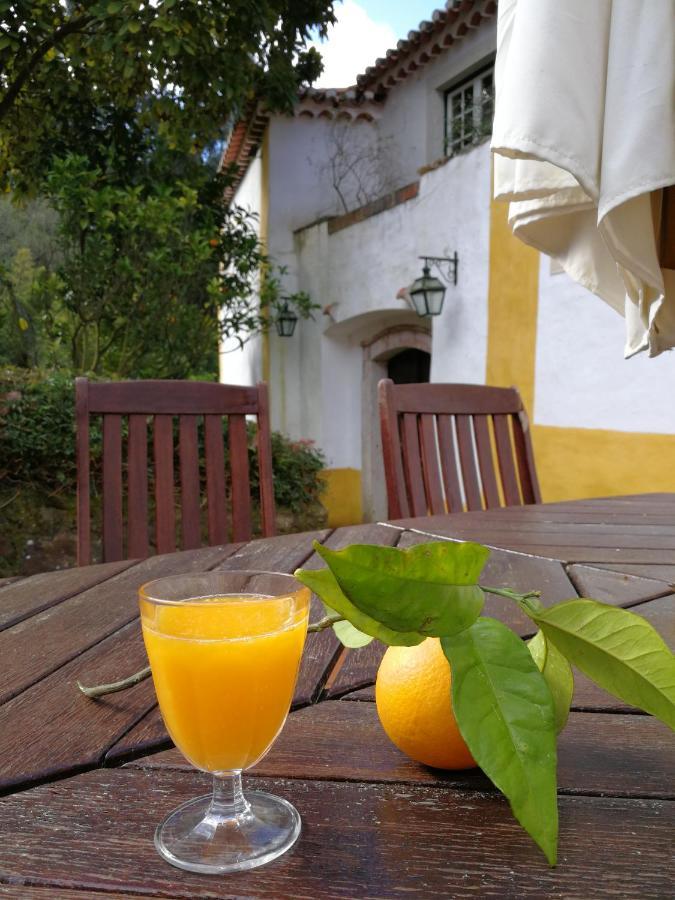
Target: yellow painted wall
{"points": [[571, 462], [512, 308], [584, 462], [341, 497]]}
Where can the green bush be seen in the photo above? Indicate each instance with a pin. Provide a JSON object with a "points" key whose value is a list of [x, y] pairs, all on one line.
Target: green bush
{"points": [[37, 429], [38, 466], [37, 441]]}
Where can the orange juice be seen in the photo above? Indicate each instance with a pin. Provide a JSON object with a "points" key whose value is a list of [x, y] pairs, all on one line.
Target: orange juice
{"points": [[224, 670]]}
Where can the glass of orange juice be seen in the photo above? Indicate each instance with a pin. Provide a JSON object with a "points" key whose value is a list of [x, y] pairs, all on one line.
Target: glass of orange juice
{"points": [[224, 649]]}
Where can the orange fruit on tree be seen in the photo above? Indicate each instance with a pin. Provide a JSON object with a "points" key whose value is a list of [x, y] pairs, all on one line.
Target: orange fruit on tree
{"points": [[412, 692]]}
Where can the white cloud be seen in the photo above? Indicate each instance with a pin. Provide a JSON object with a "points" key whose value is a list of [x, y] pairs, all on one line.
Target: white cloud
{"points": [[353, 44]]}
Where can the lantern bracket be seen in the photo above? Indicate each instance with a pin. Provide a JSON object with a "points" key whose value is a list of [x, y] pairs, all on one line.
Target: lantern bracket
{"points": [[447, 266]]}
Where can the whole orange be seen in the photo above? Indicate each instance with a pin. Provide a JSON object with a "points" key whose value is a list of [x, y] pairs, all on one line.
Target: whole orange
{"points": [[413, 699]]}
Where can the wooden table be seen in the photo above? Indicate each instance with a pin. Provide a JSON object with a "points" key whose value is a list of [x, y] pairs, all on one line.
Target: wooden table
{"points": [[85, 782]]}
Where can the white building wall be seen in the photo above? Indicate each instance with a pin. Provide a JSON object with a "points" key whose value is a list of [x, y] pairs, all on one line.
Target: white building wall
{"points": [[244, 366], [582, 378], [412, 117], [358, 271]]}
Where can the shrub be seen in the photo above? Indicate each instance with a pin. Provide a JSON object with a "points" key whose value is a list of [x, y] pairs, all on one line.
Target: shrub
{"points": [[38, 466]]}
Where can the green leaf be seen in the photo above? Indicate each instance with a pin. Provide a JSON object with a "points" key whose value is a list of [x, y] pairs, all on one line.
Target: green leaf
{"points": [[558, 675], [351, 637], [430, 589], [505, 713], [324, 584], [618, 649]]}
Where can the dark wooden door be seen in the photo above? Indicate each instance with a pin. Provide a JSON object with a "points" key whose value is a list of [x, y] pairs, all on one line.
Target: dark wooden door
{"points": [[410, 366]]}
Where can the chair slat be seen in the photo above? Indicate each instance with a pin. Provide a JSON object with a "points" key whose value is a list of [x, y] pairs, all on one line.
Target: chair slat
{"points": [[447, 450], [430, 469], [529, 484], [137, 487], [215, 479], [113, 548], [83, 471], [397, 496], [264, 444], [505, 458], [189, 481], [241, 491], [486, 461], [165, 513], [412, 464], [467, 460]]}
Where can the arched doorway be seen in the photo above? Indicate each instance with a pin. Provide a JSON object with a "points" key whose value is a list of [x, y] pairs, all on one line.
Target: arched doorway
{"points": [[402, 353], [409, 366]]}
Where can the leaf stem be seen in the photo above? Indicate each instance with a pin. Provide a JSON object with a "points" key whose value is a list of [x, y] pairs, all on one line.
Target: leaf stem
{"points": [[324, 623], [528, 602], [100, 690]]}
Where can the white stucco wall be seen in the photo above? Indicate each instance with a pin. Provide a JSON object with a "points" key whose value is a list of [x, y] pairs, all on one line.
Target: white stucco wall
{"points": [[358, 271], [243, 366], [582, 378], [413, 115]]}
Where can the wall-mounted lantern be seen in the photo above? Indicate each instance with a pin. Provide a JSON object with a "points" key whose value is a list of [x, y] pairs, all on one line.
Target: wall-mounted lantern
{"points": [[286, 321], [428, 292]]}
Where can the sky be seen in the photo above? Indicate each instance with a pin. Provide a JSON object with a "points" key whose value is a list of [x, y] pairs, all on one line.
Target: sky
{"points": [[365, 29]]}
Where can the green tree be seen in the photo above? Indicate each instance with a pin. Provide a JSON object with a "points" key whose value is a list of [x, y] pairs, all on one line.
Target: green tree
{"points": [[31, 225], [114, 112], [91, 77], [151, 274]]}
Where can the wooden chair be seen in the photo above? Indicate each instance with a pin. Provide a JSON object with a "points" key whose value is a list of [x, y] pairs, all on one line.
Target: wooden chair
{"points": [[161, 401], [454, 447]]}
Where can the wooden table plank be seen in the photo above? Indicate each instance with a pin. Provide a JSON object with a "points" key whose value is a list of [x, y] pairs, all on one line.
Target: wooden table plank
{"points": [[31, 595], [657, 572], [597, 754], [29, 892], [94, 832], [38, 646], [52, 729], [10, 579], [572, 553], [537, 540], [616, 588], [149, 735]]}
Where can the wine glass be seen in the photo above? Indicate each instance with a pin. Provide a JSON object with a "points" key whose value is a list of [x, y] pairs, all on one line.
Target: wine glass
{"points": [[225, 649]]}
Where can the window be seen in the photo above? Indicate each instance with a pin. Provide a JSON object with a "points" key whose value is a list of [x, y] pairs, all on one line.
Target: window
{"points": [[469, 109]]}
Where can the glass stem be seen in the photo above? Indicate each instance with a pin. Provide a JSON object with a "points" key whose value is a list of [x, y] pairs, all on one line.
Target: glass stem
{"points": [[228, 798]]}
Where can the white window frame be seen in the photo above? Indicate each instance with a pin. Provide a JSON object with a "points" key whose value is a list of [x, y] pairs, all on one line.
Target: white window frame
{"points": [[467, 108]]}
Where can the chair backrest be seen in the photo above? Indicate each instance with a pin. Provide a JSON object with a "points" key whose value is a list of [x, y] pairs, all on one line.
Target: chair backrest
{"points": [[454, 447], [197, 406]]}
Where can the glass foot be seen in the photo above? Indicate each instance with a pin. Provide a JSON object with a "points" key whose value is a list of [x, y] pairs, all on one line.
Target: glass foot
{"points": [[199, 838]]}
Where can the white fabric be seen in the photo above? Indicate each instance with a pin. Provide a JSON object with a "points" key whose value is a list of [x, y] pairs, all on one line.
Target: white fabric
{"points": [[584, 141]]}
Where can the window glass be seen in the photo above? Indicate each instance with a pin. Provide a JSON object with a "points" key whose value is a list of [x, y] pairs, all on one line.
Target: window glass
{"points": [[469, 110]]}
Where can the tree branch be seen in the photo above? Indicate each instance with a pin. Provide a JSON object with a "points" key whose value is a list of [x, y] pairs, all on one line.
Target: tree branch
{"points": [[37, 56]]}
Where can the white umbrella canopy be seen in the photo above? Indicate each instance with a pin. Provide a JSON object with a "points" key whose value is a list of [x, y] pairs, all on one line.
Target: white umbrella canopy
{"points": [[584, 144]]}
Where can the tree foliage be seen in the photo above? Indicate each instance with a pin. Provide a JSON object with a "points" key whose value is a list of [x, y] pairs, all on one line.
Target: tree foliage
{"points": [[114, 113], [92, 76]]}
